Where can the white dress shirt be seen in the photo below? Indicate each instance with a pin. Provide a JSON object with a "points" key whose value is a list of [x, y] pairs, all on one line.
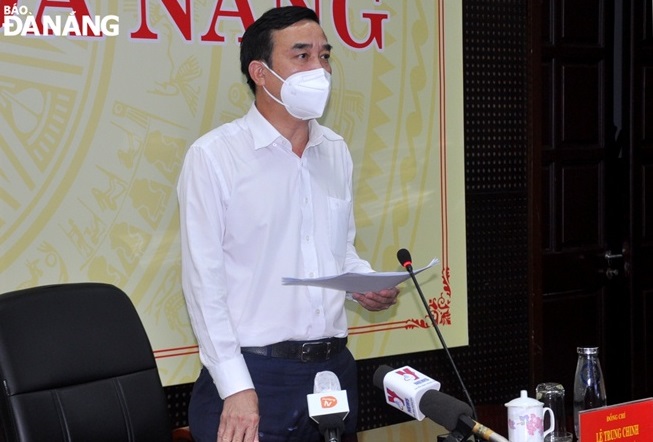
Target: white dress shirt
{"points": [[253, 212]]}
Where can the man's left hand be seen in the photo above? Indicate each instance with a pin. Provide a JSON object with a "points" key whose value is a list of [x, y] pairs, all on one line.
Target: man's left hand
{"points": [[377, 301]]}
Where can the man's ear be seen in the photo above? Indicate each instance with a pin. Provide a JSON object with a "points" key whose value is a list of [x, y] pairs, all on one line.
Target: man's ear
{"points": [[258, 72]]}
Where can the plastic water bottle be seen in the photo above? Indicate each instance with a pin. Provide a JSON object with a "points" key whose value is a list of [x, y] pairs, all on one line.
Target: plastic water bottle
{"points": [[589, 387]]}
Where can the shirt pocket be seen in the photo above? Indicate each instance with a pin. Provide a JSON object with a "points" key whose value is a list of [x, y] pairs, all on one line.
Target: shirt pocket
{"points": [[339, 213]]}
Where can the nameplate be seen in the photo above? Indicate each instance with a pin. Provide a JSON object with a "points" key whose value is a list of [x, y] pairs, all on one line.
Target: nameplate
{"points": [[630, 421]]}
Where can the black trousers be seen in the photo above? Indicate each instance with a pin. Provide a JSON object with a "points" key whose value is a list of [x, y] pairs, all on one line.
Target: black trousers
{"points": [[281, 386]]}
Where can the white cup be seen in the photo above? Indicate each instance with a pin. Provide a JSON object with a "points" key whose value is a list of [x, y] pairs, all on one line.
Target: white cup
{"points": [[526, 419]]}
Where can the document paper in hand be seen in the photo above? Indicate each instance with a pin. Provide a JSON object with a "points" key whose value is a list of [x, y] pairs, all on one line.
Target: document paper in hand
{"points": [[358, 282]]}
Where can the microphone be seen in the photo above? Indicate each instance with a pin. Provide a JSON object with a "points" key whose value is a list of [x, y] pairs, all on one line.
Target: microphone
{"points": [[454, 415], [441, 408], [405, 260], [328, 405], [404, 388], [403, 255]]}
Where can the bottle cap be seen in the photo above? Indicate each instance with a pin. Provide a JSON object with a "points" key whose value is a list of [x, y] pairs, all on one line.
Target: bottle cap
{"points": [[587, 350]]}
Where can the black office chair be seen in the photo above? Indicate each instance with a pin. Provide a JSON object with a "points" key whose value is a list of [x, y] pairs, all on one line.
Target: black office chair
{"points": [[76, 365]]}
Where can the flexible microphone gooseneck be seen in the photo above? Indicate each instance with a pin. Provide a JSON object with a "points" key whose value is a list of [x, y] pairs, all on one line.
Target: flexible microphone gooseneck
{"points": [[403, 255]]}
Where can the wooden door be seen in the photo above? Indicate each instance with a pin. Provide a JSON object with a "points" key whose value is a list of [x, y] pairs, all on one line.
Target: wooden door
{"points": [[584, 200], [639, 85]]}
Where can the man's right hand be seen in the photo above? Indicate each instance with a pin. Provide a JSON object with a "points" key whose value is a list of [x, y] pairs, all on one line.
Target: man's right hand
{"points": [[240, 418]]}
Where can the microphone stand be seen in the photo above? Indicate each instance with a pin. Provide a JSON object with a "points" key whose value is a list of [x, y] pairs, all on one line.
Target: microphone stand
{"points": [[332, 435], [409, 267], [331, 432], [455, 437]]}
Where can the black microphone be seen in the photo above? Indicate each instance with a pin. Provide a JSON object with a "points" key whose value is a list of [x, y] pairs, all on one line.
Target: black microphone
{"points": [[328, 405], [402, 391], [454, 415], [403, 255]]}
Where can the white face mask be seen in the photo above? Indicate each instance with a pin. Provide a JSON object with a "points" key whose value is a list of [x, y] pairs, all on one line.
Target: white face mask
{"points": [[304, 94]]}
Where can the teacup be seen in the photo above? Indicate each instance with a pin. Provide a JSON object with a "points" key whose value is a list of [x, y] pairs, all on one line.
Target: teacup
{"points": [[526, 419]]}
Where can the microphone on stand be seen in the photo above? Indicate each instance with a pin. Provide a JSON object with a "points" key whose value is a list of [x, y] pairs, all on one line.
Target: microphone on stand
{"points": [[404, 388], [417, 395], [403, 255], [328, 405]]}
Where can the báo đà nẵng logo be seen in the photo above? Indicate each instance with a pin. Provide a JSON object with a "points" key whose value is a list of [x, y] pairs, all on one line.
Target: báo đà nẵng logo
{"points": [[19, 21]]}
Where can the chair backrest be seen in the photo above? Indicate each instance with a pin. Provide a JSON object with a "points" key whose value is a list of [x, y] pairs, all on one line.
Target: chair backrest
{"points": [[76, 365]]}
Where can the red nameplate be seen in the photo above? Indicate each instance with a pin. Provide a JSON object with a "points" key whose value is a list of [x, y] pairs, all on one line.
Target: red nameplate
{"points": [[630, 421]]}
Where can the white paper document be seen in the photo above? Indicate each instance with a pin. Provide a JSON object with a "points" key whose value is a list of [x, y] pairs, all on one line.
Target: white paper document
{"points": [[358, 282]]}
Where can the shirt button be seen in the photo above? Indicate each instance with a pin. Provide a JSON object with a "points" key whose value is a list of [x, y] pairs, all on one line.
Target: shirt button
{"points": [[317, 312], [308, 238], [311, 275]]}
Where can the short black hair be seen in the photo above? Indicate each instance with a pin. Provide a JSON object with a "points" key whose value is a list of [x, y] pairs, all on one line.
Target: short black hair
{"points": [[256, 43]]}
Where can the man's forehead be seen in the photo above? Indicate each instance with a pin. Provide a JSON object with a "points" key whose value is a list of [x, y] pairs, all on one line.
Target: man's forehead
{"points": [[305, 34]]}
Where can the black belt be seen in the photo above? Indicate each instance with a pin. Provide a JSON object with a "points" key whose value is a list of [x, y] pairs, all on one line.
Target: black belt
{"points": [[305, 351]]}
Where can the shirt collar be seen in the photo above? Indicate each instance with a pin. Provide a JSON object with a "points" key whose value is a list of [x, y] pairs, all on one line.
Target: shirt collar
{"points": [[264, 134]]}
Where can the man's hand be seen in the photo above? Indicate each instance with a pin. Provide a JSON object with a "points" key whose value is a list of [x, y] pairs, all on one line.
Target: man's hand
{"points": [[240, 418], [376, 301]]}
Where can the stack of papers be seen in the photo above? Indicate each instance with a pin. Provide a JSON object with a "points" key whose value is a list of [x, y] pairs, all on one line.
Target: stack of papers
{"points": [[358, 282]]}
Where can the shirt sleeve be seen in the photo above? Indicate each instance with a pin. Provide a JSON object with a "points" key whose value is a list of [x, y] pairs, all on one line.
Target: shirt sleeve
{"points": [[201, 191]]}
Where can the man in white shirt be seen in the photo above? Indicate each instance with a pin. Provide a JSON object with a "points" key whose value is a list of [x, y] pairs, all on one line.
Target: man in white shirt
{"points": [[266, 196]]}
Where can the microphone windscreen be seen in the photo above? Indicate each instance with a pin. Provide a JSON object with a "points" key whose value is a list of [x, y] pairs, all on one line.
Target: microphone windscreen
{"points": [[326, 381], [379, 374], [403, 256], [443, 409]]}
